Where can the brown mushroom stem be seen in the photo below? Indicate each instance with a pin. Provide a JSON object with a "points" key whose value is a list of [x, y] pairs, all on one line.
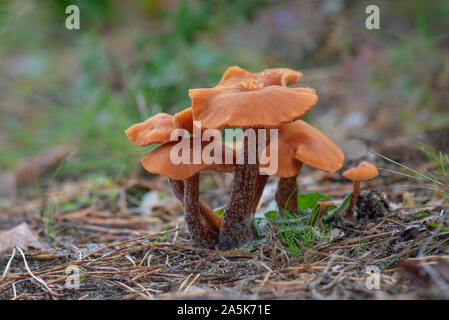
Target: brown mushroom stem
{"points": [[261, 181], [177, 186], [201, 230], [354, 197], [287, 194], [212, 222], [236, 228]]}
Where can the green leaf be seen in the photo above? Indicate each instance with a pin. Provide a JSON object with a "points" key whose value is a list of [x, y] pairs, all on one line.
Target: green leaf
{"points": [[220, 212], [343, 206], [271, 215], [309, 200]]}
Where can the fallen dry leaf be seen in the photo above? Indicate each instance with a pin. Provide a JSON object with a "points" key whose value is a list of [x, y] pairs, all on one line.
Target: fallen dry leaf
{"points": [[22, 236], [153, 200], [408, 200], [415, 271], [30, 169]]}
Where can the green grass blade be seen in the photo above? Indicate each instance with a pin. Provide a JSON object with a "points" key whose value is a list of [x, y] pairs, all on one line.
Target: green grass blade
{"points": [[407, 168]]}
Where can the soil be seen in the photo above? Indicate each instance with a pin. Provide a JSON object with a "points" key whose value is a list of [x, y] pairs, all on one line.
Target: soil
{"points": [[121, 253]]}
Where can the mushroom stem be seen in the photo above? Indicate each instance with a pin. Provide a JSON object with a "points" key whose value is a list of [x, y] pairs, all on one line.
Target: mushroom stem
{"points": [[287, 194], [261, 181], [201, 230], [236, 228], [354, 197], [214, 219], [177, 186]]}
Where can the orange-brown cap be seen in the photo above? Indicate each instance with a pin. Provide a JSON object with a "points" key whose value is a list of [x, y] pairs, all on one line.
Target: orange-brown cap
{"points": [[158, 161], [299, 142], [250, 104], [156, 129], [325, 203], [184, 119], [364, 171], [314, 148], [269, 77], [288, 166]]}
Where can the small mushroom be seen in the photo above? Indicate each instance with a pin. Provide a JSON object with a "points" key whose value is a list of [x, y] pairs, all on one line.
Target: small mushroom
{"points": [[300, 143], [364, 171], [246, 100]]}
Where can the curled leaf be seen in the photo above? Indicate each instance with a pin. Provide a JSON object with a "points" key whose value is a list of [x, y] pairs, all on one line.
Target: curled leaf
{"points": [[22, 236]]}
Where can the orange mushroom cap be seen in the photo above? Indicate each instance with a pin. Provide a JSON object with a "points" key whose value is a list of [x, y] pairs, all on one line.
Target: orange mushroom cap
{"points": [[364, 171], [156, 129], [158, 161], [269, 77], [299, 142], [244, 99], [288, 166], [325, 203], [250, 104], [184, 119]]}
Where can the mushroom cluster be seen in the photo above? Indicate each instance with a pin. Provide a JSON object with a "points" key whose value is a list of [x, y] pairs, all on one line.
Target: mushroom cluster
{"points": [[254, 103], [202, 222]]}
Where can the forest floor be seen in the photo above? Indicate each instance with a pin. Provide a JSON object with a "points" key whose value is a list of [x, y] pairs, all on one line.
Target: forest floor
{"points": [[124, 248], [122, 234]]}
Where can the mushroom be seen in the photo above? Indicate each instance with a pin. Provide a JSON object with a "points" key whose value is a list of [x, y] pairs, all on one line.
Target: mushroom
{"points": [[203, 223], [300, 143], [364, 171], [156, 129], [276, 76], [214, 219], [248, 101]]}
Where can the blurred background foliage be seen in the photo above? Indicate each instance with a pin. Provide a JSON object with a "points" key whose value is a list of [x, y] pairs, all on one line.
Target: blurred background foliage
{"points": [[132, 59]]}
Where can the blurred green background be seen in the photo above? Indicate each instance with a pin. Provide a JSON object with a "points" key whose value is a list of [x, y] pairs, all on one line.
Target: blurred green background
{"points": [[132, 59]]}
